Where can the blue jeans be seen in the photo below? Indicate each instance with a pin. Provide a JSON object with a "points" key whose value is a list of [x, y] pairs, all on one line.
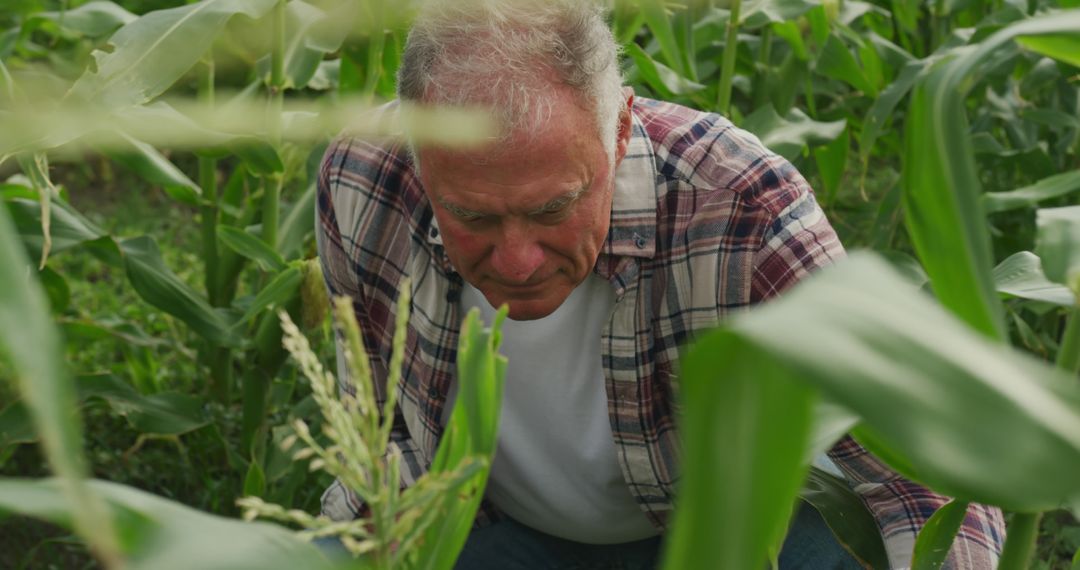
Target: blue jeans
{"points": [[510, 545]]}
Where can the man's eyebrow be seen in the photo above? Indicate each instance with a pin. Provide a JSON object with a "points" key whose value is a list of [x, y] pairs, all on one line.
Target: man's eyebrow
{"points": [[556, 203], [458, 210]]}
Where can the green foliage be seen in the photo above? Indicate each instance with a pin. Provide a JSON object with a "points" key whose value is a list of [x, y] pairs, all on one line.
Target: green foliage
{"points": [[962, 117], [872, 343]]}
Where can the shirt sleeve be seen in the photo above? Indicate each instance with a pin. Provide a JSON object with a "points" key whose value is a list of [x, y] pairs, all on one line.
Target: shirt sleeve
{"points": [[340, 273], [799, 241], [901, 508]]}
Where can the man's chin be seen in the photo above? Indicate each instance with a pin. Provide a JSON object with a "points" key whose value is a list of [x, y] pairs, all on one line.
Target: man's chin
{"points": [[530, 310]]}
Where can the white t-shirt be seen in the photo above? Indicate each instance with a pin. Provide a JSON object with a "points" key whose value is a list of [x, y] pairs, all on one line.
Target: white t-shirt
{"points": [[555, 467]]}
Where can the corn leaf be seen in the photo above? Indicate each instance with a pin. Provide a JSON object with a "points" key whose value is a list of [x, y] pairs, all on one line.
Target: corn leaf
{"points": [[744, 431], [1062, 47], [1021, 275], [470, 436], [68, 228], [838, 62], [93, 19], [281, 289], [847, 517], [831, 161], [659, 23], [757, 13], [154, 167], [162, 288], [941, 182], [881, 349], [1058, 245], [937, 535], [250, 247], [1052, 187], [165, 413], [154, 51], [665, 81], [787, 135], [32, 346], [159, 534]]}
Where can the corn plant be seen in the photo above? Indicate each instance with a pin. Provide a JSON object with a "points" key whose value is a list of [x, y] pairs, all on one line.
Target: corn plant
{"points": [[942, 134], [420, 526], [254, 186], [127, 528]]}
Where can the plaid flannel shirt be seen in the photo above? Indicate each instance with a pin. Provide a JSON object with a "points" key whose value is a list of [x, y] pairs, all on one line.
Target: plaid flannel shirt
{"points": [[705, 222]]}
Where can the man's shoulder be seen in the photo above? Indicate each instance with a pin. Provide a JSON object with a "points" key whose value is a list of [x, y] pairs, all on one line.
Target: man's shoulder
{"points": [[703, 152]]}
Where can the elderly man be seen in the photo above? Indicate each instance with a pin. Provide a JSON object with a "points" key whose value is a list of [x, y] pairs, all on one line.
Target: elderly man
{"points": [[615, 229]]}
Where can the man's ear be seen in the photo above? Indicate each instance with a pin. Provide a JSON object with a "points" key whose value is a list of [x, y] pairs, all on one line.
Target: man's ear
{"points": [[626, 124]]}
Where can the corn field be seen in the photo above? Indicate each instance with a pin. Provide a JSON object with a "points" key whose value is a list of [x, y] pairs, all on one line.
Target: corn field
{"points": [[163, 318]]}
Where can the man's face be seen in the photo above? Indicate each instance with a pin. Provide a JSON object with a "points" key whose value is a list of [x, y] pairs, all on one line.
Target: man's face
{"points": [[526, 224]]}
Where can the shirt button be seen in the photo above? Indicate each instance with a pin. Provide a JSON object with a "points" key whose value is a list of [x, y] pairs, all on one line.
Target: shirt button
{"points": [[433, 393], [639, 241], [434, 232]]}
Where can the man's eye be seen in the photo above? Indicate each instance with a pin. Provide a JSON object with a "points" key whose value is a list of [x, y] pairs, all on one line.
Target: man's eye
{"points": [[554, 213], [470, 218]]}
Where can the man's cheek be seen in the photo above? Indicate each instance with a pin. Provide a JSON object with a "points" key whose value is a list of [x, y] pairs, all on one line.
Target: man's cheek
{"points": [[463, 244]]}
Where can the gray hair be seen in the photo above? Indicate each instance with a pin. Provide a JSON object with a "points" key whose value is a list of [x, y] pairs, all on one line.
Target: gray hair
{"points": [[510, 55]]}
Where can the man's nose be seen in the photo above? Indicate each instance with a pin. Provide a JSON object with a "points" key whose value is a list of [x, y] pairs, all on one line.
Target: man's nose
{"points": [[517, 257]]}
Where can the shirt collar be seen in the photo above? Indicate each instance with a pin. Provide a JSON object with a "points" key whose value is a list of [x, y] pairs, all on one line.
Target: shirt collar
{"points": [[633, 208]]}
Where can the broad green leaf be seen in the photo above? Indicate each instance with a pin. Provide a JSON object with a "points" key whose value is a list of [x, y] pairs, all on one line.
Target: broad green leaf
{"points": [[91, 330], [93, 19], [757, 13], [889, 52], [838, 62], [68, 228], [847, 517], [159, 534], [791, 33], [882, 109], [831, 161], [281, 289], [852, 10], [743, 436], [165, 413], [152, 166], [830, 423], [311, 34], [787, 135], [656, 18], [664, 80], [1058, 245], [470, 435], [255, 480], [298, 224], [56, 288], [1028, 196], [963, 414], [1061, 47], [154, 51], [941, 181], [907, 266], [251, 247], [34, 351], [1021, 275], [259, 156], [941, 204], [16, 426], [160, 287], [937, 535]]}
